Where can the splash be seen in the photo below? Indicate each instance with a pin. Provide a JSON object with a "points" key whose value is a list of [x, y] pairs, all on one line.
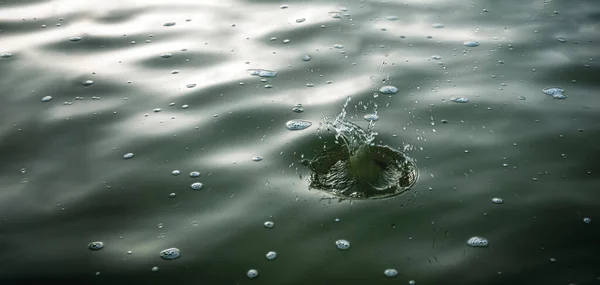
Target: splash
{"points": [[355, 167]]}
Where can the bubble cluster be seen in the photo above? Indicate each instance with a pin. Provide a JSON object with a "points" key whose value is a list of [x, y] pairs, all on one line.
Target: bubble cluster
{"points": [[263, 72], [471, 44], [295, 125], [170, 253], [478, 242], [555, 92], [96, 245], [497, 200], [342, 244], [388, 89]]}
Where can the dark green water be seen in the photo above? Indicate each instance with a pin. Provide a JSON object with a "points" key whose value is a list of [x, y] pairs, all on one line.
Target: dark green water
{"points": [[64, 182]]}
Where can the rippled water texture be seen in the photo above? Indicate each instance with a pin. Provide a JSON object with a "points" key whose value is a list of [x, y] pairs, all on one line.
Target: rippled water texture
{"points": [[208, 86]]}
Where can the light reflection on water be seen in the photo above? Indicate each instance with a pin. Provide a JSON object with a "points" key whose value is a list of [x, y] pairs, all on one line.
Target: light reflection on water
{"points": [[78, 188]]}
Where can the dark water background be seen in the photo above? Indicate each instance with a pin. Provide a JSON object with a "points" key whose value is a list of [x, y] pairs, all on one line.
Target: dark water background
{"points": [[64, 182]]}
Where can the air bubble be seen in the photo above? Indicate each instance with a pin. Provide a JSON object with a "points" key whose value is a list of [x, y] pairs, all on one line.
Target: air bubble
{"points": [[471, 44], [392, 18], [342, 244], [298, 108], [88, 82], [170, 253], [257, 158], [390, 272], [75, 39], [478, 242], [388, 89], [252, 273], [176, 172], [194, 174], [96, 245], [269, 224], [128, 155], [169, 24], [185, 107], [587, 220], [271, 255], [438, 25], [295, 125], [166, 55], [197, 186], [46, 98], [192, 85]]}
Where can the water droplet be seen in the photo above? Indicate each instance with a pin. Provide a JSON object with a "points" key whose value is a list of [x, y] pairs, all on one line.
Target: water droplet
{"points": [[170, 253], [335, 15], [436, 57], [46, 98], [338, 46], [412, 282], [185, 107], [337, 220], [459, 99], [295, 125], [300, 20], [438, 25], [390, 272], [471, 44], [88, 83], [522, 98], [388, 90], [176, 172], [174, 71], [173, 195], [156, 110], [192, 85], [309, 85], [169, 24], [5, 55], [252, 273], [392, 18], [96, 245], [371, 117], [197, 186], [555, 92], [75, 39], [478, 242], [284, 6], [269, 224], [154, 269], [286, 41], [263, 72], [166, 55], [128, 155], [257, 158], [587, 220], [298, 108], [271, 255], [342, 244], [306, 57], [497, 200], [194, 174], [562, 40]]}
